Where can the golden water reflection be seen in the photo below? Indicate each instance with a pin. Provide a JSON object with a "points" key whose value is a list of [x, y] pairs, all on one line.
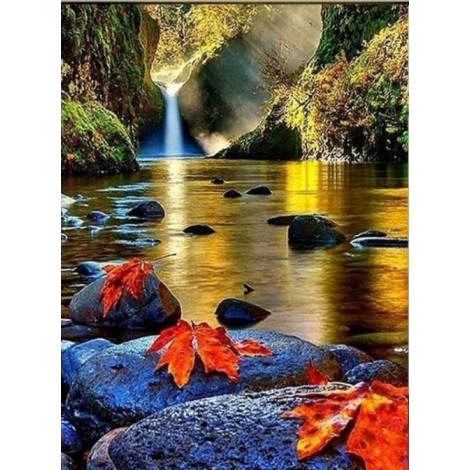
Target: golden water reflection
{"points": [[325, 296]]}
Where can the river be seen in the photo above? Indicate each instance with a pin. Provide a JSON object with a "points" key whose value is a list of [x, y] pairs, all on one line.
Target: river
{"points": [[335, 295]]}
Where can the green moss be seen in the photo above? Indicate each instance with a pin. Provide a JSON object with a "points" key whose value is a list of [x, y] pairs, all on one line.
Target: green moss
{"points": [[94, 140]]}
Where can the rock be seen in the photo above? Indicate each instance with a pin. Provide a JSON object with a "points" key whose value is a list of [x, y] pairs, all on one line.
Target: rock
{"points": [[312, 230], [78, 332], [97, 216], [156, 309], [385, 371], [229, 432], [120, 386], [71, 443], [382, 242], [78, 197], [247, 289], [93, 229], [64, 345], [63, 237], [283, 220], [199, 229], [72, 221], [66, 200], [74, 357], [99, 458], [217, 181], [238, 313], [259, 191], [370, 233], [90, 269], [148, 210], [347, 356], [66, 463], [232, 193]]}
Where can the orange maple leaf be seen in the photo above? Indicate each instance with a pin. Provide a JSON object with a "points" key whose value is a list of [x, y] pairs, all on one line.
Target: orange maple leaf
{"points": [[128, 277], [217, 351], [380, 432], [314, 376]]}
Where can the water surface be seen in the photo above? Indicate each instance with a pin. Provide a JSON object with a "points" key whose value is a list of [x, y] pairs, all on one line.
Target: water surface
{"points": [[334, 295]]}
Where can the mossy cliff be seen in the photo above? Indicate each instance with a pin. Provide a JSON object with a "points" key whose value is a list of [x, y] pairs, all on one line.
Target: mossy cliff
{"points": [[107, 91], [351, 101]]}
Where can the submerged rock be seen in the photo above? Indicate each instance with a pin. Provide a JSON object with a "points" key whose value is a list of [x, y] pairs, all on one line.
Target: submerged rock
{"points": [[74, 357], [228, 432], [97, 216], [156, 309], [199, 229], [217, 181], [313, 230], [259, 191], [380, 242], [148, 210], [238, 313], [120, 386], [348, 357], [90, 269], [385, 371], [370, 233], [232, 193]]}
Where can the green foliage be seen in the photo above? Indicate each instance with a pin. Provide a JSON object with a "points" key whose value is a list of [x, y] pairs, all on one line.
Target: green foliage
{"points": [[347, 28], [356, 109], [94, 140]]}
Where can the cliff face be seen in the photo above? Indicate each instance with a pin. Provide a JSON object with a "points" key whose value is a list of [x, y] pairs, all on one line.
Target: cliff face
{"points": [[104, 62], [351, 101]]}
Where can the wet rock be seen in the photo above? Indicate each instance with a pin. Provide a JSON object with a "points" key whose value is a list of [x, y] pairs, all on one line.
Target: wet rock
{"points": [[283, 220], [238, 313], [385, 371], [72, 221], [99, 458], [230, 432], [156, 309], [247, 289], [74, 357], [97, 216], [71, 443], [148, 210], [66, 200], [370, 233], [232, 194], [66, 463], [380, 242], [74, 332], [217, 181], [313, 230], [78, 197], [120, 386], [64, 345], [348, 357], [63, 237], [259, 191], [90, 269], [65, 322], [199, 229]]}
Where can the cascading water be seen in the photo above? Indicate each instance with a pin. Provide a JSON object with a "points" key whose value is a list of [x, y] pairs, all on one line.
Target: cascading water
{"points": [[170, 138], [173, 127]]}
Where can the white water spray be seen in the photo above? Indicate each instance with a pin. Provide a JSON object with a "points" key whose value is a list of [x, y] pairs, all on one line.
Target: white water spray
{"points": [[173, 126]]}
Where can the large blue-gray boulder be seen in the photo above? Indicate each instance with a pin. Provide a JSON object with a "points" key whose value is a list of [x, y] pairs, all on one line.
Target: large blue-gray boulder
{"points": [[156, 309], [228, 432], [73, 358], [348, 357], [383, 370], [313, 230], [120, 386]]}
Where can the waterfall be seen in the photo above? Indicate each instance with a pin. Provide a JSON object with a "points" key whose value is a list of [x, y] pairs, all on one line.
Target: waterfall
{"points": [[173, 142], [168, 138]]}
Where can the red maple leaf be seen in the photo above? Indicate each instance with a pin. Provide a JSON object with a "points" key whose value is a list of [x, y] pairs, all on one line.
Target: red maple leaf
{"points": [[128, 277], [218, 353], [314, 376], [380, 432]]}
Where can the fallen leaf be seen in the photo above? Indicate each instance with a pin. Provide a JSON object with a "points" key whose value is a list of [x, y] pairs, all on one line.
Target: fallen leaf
{"points": [[128, 277], [314, 376], [218, 353], [379, 434]]}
